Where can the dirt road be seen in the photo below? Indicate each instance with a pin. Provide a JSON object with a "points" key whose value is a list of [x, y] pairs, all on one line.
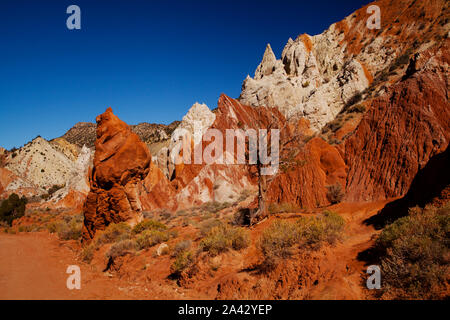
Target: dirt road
{"points": [[33, 266]]}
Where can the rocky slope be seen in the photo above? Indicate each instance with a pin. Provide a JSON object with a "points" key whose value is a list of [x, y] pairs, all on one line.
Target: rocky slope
{"points": [[317, 76], [40, 164], [84, 133], [404, 129]]}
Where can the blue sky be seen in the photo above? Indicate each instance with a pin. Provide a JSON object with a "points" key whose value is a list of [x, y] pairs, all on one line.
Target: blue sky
{"points": [[148, 60]]}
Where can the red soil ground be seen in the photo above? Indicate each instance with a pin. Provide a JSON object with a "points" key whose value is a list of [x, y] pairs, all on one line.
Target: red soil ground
{"points": [[33, 266]]}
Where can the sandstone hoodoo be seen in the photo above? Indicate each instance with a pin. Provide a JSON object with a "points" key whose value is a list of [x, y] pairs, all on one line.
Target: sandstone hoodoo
{"points": [[121, 160]]}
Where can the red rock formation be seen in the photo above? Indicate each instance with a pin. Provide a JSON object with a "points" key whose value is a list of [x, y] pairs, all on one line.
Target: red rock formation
{"points": [[403, 130], [121, 160], [317, 166], [156, 191], [195, 184]]}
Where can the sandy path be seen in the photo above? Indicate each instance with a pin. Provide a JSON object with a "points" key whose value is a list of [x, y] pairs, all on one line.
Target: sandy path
{"points": [[33, 266]]}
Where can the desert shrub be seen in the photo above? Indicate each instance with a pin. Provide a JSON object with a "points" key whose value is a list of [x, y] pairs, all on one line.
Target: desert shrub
{"points": [[55, 188], [278, 240], [182, 213], [52, 226], [414, 254], [357, 97], [71, 230], [224, 237], [27, 228], [87, 253], [400, 61], [383, 76], [113, 233], [148, 225], [149, 238], [207, 225], [284, 207], [335, 125], [244, 195], [12, 208], [45, 196], [183, 260], [327, 227], [335, 193], [121, 248], [305, 84], [214, 207], [181, 246]]}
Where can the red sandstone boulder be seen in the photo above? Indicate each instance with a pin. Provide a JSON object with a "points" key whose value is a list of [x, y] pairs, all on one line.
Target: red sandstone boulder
{"points": [[121, 161]]}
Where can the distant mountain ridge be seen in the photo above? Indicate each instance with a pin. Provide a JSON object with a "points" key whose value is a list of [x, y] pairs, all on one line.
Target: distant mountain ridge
{"points": [[84, 133]]}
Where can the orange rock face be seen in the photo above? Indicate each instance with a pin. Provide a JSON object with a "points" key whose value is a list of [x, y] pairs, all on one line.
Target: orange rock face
{"points": [[121, 160], [318, 165], [404, 129]]}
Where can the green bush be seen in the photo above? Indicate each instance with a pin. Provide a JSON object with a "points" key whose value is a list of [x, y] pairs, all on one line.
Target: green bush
{"points": [[214, 207], [327, 228], [207, 225], [148, 225], [113, 233], [414, 254], [278, 240], [12, 208], [71, 230], [121, 248], [223, 238], [335, 193], [181, 246], [183, 260], [87, 253], [149, 238]]}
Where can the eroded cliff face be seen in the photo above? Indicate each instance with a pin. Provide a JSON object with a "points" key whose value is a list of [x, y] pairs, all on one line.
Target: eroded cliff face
{"points": [[317, 76], [404, 129], [121, 161], [190, 184], [317, 166]]}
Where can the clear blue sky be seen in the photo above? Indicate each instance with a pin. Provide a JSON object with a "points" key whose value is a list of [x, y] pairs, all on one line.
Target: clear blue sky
{"points": [[148, 60]]}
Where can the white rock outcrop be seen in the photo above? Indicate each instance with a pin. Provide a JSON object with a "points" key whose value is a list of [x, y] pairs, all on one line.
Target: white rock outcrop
{"points": [[315, 77], [198, 114], [39, 163], [78, 180]]}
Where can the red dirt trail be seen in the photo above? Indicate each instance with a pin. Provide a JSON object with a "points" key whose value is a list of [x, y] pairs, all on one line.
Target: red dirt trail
{"points": [[33, 266]]}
